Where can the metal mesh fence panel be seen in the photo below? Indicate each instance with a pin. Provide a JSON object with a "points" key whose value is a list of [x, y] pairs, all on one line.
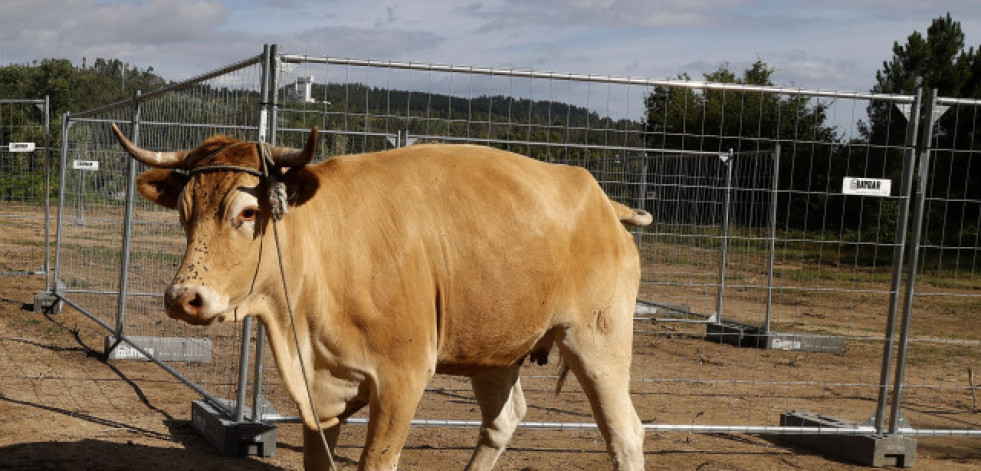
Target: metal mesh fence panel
{"points": [[769, 281], [92, 196], [801, 262], [94, 235], [25, 187], [940, 385], [761, 238], [524, 113]]}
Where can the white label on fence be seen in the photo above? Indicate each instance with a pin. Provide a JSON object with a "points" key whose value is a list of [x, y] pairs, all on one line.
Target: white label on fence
{"points": [[126, 352], [184, 349], [21, 147], [85, 164], [866, 186]]}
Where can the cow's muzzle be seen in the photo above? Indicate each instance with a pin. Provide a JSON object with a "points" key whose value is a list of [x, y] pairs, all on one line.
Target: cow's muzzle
{"points": [[198, 305]]}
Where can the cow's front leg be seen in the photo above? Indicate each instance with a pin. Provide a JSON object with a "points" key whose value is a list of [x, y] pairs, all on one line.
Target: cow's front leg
{"points": [[391, 408], [315, 458]]}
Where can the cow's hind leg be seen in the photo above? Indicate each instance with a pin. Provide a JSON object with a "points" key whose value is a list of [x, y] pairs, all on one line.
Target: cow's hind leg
{"points": [[315, 458], [599, 355], [502, 406]]}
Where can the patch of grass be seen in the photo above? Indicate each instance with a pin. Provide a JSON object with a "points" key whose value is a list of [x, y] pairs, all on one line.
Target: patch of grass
{"points": [[952, 281], [78, 283], [34, 243]]}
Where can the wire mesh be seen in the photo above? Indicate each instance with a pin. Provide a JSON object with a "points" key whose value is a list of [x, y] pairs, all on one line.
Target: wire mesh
{"points": [[92, 231], [940, 387], [657, 145], [25, 186], [763, 238]]}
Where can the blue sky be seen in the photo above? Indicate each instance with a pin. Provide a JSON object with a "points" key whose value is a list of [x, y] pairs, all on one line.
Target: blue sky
{"points": [[829, 44]]}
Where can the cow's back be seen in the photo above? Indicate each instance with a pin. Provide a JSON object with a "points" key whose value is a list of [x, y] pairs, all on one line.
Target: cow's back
{"points": [[485, 248]]}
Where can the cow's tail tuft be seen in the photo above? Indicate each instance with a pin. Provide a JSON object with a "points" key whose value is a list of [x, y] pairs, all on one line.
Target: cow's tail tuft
{"points": [[630, 216]]}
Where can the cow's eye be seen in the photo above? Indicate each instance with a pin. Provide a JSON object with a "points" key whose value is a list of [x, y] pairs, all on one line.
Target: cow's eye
{"points": [[247, 215]]}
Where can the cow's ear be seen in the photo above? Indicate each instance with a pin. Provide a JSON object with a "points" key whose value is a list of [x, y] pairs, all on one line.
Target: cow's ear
{"points": [[301, 185], [161, 186]]}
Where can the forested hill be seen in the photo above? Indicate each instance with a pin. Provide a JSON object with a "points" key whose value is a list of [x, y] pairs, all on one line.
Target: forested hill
{"points": [[75, 88], [358, 97]]}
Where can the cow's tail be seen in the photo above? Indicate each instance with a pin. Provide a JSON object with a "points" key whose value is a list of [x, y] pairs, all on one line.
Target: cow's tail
{"points": [[630, 216]]}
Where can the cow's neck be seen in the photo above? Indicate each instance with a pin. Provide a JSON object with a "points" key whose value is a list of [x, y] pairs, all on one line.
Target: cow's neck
{"points": [[299, 273], [306, 298]]}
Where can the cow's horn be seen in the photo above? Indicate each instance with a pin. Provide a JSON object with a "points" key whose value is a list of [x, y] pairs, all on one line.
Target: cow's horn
{"points": [[151, 158], [290, 157]]}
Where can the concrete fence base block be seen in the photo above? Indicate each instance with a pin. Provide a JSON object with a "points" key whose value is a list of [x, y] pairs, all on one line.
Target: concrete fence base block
{"points": [[233, 438], [47, 302], [745, 335], [875, 451]]}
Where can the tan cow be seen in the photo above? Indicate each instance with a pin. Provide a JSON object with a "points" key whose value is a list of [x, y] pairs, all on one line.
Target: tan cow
{"points": [[401, 264]]}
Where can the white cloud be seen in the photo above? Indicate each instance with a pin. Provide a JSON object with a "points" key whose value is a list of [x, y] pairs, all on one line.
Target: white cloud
{"points": [[358, 42], [799, 67], [136, 32], [614, 13], [833, 44]]}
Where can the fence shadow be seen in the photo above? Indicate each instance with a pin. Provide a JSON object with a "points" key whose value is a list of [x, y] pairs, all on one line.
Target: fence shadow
{"points": [[92, 454]]}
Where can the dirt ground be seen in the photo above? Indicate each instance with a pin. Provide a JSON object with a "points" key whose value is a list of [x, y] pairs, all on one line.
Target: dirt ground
{"points": [[62, 407]]}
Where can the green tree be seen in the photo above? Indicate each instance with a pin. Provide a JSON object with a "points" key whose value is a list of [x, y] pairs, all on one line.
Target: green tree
{"points": [[57, 79], [69, 89], [712, 119], [745, 117], [938, 60]]}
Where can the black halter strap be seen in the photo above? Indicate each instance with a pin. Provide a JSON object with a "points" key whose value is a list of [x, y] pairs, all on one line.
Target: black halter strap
{"points": [[226, 168], [268, 172]]}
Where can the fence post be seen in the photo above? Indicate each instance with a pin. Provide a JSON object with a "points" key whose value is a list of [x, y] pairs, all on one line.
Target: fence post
{"points": [[127, 224], [922, 175], [727, 160], [272, 97], [270, 69], [774, 200], [47, 195], [48, 299], [243, 370], [63, 176], [905, 189], [243, 366]]}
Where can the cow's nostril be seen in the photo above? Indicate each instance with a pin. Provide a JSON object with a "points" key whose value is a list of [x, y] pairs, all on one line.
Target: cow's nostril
{"points": [[192, 303]]}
